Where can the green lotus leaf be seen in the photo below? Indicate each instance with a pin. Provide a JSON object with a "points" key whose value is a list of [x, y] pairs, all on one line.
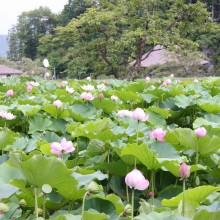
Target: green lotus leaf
{"points": [[156, 119], [39, 170], [137, 86], [208, 145], [209, 119], [38, 123], [146, 156], [165, 150], [127, 96], [93, 130], [183, 101], [56, 112], [20, 144], [92, 214], [29, 110], [95, 147], [4, 108], [82, 112], [85, 178], [107, 105], [208, 212], [166, 215], [107, 205], [210, 107], [58, 125], [119, 168], [8, 173], [68, 217], [195, 195], [184, 138], [163, 112], [7, 138], [148, 98]]}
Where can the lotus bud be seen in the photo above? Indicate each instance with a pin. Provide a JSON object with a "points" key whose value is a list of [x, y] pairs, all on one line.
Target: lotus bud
{"points": [[57, 104], [200, 132], [93, 188], [101, 96], [23, 203], [184, 171], [3, 208], [10, 93]]}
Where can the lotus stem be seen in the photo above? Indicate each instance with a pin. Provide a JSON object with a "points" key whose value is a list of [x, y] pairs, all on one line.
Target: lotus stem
{"points": [[83, 204], [137, 137], [152, 187], [120, 216], [197, 160], [44, 207], [132, 204], [127, 193], [184, 197], [35, 203]]}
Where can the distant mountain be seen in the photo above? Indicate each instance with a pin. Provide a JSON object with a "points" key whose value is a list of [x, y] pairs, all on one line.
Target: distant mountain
{"points": [[3, 45]]}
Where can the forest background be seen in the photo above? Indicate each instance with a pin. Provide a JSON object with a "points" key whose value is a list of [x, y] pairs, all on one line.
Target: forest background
{"points": [[101, 38]]}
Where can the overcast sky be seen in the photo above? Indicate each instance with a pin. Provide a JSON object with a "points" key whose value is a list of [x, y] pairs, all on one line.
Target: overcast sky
{"points": [[10, 9]]}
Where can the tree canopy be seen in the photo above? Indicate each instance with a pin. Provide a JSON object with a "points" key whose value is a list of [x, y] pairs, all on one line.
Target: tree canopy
{"points": [[103, 37]]}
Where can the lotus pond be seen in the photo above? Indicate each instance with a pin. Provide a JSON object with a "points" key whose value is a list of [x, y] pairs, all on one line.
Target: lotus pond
{"points": [[95, 150]]}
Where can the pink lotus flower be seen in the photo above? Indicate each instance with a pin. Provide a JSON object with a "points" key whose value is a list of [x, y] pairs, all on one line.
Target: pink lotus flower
{"points": [[64, 147], [139, 114], [33, 83], [87, 96], [88, 87], [88, 78], [147, 79], [29, 87], [57, 104], [70, 90], [195, 80], [158, 134], [136, 180], [101, 86], [10, 93], [7, 116], [200, 132], [114, 98], [63, 84], [122, 113], [184, 171]]}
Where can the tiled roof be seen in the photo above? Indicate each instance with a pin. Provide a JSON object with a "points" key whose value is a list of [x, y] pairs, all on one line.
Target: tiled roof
{"points": [[159, 56], [4, 70]]}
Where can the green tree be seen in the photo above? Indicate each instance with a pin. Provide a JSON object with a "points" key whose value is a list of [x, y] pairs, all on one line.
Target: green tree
{"points": [[73, 9], [31, 26], [106, 37]]}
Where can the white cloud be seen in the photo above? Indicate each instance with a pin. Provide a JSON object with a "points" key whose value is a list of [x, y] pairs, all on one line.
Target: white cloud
{"points": [[11, 9]]}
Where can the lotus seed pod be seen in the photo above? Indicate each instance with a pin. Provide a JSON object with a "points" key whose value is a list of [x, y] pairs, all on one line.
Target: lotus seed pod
{"points": [[3, 207], [128, 209], [23, 203], [40, 211], [93, 188]]}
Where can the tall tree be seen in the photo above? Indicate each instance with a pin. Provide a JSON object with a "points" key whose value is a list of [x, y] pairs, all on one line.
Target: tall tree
{"points": [[31, 26]]}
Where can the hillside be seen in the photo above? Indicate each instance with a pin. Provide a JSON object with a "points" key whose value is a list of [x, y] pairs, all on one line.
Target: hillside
{"points": [[3, 45]]}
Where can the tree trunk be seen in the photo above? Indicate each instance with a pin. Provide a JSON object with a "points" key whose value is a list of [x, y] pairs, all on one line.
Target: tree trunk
{"points": [[213, 10]]}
